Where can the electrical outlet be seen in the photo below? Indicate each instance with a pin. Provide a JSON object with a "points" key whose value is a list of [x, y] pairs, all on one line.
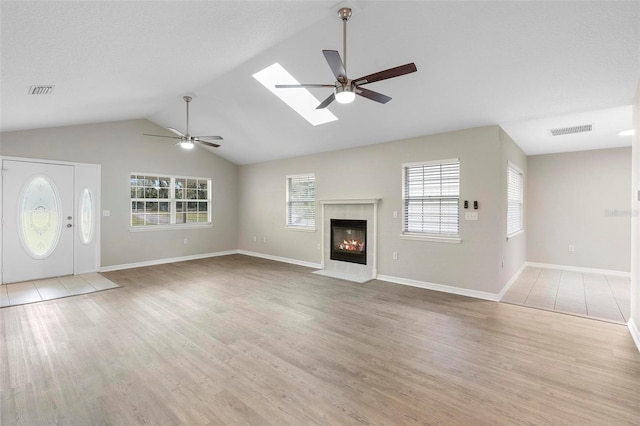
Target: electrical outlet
{"points": [[318, 246], [572, 248], [106, 213], [186, 241], [395, 255], [255, 239], [471, 216], [395, 214], [264, 239]]}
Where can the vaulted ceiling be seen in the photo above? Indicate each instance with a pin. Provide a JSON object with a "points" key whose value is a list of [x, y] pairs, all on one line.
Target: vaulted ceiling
{"points": [[527, 66]]}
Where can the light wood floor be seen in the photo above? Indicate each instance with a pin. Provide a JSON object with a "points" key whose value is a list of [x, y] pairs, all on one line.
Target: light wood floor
{"points": [[239, 340]]}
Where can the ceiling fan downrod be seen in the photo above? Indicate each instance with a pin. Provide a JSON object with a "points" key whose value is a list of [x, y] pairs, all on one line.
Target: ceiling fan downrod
{"points": [[187, 99], [344, 14]]}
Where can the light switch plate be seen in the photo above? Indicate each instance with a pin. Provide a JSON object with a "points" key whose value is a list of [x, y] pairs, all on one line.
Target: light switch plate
{"points": [[471, 215]]}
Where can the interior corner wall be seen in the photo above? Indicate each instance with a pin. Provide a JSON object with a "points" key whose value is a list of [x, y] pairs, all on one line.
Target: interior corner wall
{"points": [[120, 148], [375, 171], [634, 322], [580, 199], [513, 250]]}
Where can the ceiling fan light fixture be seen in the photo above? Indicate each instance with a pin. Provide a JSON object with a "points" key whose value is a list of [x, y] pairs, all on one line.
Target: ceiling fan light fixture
{"points": [[187, 144], [345, 94]]}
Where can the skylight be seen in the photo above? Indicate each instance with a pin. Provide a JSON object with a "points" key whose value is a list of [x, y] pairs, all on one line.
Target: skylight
{"points": [[300, 100]]}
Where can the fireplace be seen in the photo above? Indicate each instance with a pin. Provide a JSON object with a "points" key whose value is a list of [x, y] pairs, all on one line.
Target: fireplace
{"points": [[349, 240]]}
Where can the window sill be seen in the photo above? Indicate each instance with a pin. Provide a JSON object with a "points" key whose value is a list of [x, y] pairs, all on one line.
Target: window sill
{"points": [[431, 238], [300, 228], [515, 234], [170, 227]]}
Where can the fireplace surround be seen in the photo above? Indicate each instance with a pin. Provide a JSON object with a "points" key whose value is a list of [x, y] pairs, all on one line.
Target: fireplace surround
{"points": [[350, 209]]}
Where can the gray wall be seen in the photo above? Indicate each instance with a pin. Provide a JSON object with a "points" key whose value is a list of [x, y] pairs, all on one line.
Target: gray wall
{"points": [[635, 206], [580, 199], [513, 250], [121, 149], [376, 172]]}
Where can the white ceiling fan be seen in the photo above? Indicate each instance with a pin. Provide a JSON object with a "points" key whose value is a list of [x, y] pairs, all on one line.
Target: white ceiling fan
{"points": [[185, 140]]}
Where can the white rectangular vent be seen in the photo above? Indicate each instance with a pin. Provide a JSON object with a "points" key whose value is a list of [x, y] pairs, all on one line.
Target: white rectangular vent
{"points": [[41, 90], [570, 130]]}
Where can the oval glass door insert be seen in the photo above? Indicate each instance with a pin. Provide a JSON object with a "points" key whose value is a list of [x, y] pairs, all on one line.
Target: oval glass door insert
{"points": [[86, 216], [40, 219]]}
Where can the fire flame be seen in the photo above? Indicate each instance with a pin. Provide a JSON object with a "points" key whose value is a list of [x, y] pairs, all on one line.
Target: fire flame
{"points": [[352, 245]]}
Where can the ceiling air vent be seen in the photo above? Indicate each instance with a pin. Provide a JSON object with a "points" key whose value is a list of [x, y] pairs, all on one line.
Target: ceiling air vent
{"points": [[570, 130], [41, 89]]}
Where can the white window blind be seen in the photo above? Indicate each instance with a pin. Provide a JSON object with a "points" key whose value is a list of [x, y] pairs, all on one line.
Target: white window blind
{"points": [[431, 196], [515, 189], [301, 201]]}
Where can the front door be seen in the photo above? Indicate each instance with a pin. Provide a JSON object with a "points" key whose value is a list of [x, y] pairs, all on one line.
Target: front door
{"points": [[37, 223]]}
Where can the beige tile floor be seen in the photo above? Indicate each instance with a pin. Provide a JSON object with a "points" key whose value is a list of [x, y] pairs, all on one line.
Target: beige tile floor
{"points": [[52, 288], [603, 297]]}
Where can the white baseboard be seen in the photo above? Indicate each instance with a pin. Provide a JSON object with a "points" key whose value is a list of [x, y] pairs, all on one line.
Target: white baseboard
{"points": [[280, 259], [163, 261], [513, 279], [343, 276], [580, 269], [635, 333], [442, 288]]}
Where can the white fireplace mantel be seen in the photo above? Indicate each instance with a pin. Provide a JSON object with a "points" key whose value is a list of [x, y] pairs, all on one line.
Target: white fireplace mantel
{"points": [[355, 208]]}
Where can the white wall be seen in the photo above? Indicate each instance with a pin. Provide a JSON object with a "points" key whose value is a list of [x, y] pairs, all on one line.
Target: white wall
{"points": [[121, 149], [375, 171], [580, 199]]}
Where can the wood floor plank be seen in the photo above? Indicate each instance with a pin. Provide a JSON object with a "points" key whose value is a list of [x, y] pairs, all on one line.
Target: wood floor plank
{"points": [[239, 340]]}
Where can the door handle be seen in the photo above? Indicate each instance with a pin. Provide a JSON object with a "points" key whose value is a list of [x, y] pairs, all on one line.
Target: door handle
{"points": [[69, 225]]}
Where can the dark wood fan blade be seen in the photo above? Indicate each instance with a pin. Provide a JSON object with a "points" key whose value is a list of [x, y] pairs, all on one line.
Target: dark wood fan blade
{"points": [[177, 132], [390, 73], [214, 145], [215, 138], [299, 86], [326, 102], [374, 96], [335, 63], [162, 136]]}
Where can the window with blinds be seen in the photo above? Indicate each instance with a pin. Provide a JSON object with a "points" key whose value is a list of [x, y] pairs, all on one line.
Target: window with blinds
{"points": [[301, 201], [515, 190], [431, 194], [161, 201]]}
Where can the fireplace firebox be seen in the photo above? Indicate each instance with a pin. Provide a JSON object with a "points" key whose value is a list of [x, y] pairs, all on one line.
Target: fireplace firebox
{"points": [[349, 240]]}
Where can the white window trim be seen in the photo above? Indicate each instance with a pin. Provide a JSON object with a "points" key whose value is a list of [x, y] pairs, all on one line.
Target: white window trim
{"points": [[521, 230], [172, 203], [438, 238], [431, 237], [302, 228]]}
